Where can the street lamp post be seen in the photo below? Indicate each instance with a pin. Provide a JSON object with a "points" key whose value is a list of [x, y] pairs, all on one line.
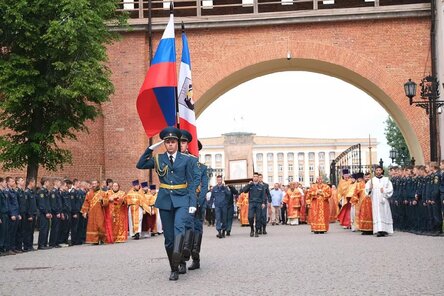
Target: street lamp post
{"points": [[393, 154], [430, 102]]}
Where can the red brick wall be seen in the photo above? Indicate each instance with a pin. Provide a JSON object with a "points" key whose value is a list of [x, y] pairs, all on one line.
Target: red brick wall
{"points": [[386, 52]]}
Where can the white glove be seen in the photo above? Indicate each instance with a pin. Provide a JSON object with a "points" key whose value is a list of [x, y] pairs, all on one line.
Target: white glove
{"points": [[192, 210], [155, 146]]}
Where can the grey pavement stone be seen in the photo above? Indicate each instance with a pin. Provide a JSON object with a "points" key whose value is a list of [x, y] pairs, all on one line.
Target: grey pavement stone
{"points": [[289, 260]]}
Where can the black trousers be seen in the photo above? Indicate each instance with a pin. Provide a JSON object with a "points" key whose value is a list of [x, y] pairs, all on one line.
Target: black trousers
{"points": [[284, 214], [65, 226], [82, 229], [28, 233], [4, 232], [43, 230], [74, 225], [55, 231], [12, 230], [20, 233], [210, 216], [255, 211]]}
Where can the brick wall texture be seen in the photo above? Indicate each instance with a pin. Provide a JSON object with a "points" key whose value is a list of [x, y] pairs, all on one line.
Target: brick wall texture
{"points": [[386, 52]]}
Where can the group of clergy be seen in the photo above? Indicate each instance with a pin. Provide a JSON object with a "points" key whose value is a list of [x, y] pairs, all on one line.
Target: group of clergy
{"points": [[360, 203], [113, 214]]}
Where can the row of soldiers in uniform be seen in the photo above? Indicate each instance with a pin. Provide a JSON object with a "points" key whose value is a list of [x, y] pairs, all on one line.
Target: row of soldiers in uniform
{"points": [[418, 198], [22, 205], [82, 211]]}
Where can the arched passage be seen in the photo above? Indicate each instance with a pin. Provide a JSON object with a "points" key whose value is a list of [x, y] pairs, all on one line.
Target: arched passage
{"points": [[300, 64]]}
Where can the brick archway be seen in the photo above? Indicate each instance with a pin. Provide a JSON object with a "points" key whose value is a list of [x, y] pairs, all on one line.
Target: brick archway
{"points": [[356, 69]]}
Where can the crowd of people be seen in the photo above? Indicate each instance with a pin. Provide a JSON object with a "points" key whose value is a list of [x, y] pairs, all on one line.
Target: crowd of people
{"points": [[72, 213]]}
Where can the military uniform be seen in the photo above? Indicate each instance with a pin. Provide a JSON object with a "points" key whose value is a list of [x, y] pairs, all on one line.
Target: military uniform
{"points": [[4, 217], [441, 191], [29, 219], [435, 204], [179, 179], [65, 222], [256, 198], [44, 207], [76, 205], [83, 222], [230, 209], [56, 211], [14, 211], [220, 194], [264, 214]]}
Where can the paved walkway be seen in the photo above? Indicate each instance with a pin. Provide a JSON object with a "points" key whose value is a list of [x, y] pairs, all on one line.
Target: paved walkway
{"points": [[288, 261]]}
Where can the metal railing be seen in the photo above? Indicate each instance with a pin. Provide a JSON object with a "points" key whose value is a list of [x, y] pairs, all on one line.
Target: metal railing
{"points": [[202, 9]]}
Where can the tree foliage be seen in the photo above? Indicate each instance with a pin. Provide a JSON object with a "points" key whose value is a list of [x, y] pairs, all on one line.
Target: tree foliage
{"points": [[53, 76], [396, 141]]}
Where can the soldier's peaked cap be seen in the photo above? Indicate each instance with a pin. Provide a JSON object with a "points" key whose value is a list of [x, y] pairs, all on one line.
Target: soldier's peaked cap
{"points": [[170, 133], [186, 136]]}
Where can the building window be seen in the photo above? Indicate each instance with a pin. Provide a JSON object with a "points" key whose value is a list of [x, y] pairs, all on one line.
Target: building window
{"points": [[311, 179], [281, 179], [280, 156], [332, 155], [290, 167], [311, 156], [301, 156], [207, 158], [270, 179], [218, 157], [270, 168], [290, 179], [259, 156], [259, 168], [206, 4], [301, 179], [290, 156], [321, 155], [247, 3], [311, 168], [322, 168], [301, 168], [270, 156], [280, 168]]}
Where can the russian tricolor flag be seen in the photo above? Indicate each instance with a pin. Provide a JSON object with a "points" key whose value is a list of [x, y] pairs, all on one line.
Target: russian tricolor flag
{"points": [[156, 102], [186, 103]]}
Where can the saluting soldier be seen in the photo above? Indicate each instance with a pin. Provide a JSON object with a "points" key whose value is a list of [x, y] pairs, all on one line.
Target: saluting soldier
{"points": [[45, 214], [179, 178], [30, 215]]}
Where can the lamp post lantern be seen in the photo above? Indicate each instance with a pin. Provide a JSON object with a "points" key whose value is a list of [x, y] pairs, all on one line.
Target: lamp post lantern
{"points": [[430, 102]]}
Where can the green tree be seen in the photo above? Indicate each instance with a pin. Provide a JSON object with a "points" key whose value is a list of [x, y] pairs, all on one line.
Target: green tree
{"points": [[53, 76], [396, 141]]}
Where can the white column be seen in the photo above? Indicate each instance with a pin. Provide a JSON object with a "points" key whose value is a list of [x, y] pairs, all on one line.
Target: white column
{"points": [[285, 167], [275, 167], [307, 173]]}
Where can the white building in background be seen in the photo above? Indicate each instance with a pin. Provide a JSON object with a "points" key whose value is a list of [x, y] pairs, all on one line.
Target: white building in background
{"points": [[279, 159]]}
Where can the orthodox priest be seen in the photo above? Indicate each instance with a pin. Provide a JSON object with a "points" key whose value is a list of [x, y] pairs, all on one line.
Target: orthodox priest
{"points": [[380, 189], [319, 194]]}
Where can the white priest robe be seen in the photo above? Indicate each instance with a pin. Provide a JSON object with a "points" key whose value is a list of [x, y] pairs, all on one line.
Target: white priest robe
{"points": [[382, 215]]}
